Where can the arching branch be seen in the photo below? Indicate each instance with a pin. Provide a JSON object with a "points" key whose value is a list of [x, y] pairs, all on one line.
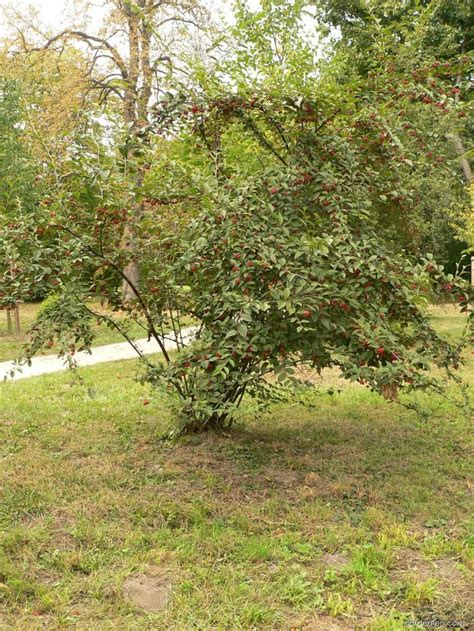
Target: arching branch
{"points": [[106, 87], [90, 39], [176, 18], [166, 58]]}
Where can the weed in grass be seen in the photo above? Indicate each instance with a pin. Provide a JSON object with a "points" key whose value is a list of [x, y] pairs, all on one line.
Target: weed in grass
{"points": [[299, 591], [257, 614], [261, 549], [337, 605], [421, 593], [394, 536], [391, 621], [439, 546], [369, 566]]}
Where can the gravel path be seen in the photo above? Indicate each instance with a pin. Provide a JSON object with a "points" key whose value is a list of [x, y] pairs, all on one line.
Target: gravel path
{"points": [[45, 364]]}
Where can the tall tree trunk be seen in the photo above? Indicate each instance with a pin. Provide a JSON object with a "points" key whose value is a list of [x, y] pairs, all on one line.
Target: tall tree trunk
{"points": [[456, 138], [131, 117], [461, 152]]}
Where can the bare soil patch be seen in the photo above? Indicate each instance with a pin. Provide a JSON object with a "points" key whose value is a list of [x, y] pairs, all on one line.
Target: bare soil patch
{"points": [[151, 593]]}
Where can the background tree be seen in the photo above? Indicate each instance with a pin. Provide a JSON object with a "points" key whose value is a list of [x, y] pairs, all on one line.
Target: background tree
{"points": [[18, 197], [440, 31], [51, 103], [130, 58], [53, 94]]}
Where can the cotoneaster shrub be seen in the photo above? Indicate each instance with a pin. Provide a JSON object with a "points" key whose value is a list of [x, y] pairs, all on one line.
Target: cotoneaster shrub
{"points": [[276, 252]]}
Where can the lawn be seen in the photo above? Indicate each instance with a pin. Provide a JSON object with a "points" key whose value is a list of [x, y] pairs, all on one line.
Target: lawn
{"points": [[10, 345], [351, 513]]}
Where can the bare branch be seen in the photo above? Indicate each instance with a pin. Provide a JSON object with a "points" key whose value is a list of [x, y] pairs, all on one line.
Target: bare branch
{"points": [[106, 87], [116, 326], [327, 120], [154, 6], [166, 58], [176, 18], [115, 55]]}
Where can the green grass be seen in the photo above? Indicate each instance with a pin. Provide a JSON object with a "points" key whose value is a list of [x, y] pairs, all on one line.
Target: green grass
{"points": [[10, 344], [355, 513], [447, 320]]}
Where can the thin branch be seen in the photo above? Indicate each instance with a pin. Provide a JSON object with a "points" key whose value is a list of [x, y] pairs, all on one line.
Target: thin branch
{"points": [[153, 7], [176, 18], [119, 61], [247, 121], [116, 326], [131, 285], [327, 120], [154, 65], [276, 124], [106, 86]]}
